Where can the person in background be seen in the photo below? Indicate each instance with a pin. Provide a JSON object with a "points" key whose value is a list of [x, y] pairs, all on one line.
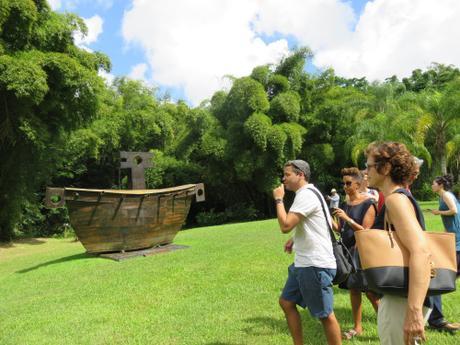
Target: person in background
{"points": [[418, 164], [334, 199], [358, 213], [364, 188], [309, 282], [401, 320], [450, 215], [436, 320]]}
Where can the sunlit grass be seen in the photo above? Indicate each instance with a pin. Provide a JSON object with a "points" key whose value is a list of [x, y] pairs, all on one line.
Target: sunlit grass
{"points": [[222, 290]]}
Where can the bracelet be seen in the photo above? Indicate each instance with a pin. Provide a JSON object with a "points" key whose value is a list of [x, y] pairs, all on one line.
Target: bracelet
{"points": [[278, 201]]}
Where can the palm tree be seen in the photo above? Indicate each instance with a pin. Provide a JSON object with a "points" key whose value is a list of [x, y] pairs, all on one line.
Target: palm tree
{"points": [[453, 152], [387, 115], [435, 114]]}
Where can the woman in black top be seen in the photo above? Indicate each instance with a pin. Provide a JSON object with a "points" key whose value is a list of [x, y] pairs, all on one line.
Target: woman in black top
{"points": [[358, 213]]}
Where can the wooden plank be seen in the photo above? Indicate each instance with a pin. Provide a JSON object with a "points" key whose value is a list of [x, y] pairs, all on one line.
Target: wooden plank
{"points": [[82, 191]]}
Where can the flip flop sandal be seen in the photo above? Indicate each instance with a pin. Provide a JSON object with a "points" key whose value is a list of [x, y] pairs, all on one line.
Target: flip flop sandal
{"points": [[350, 334]]}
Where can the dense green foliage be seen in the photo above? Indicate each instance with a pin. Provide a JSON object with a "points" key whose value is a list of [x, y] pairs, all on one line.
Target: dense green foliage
{"points": [[48, 88], [60, 125], [232, 275]]}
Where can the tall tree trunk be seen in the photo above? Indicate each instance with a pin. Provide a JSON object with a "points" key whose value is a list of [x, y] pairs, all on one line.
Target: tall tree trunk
{"points": [[441, 149], [443, 164]]}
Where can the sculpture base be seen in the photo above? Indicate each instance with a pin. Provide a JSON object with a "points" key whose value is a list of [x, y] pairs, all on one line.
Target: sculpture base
{"points": [[118, 256]]}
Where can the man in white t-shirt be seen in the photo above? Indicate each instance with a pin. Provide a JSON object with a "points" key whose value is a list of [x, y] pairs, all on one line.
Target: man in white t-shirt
{"points": [[309, 282]]}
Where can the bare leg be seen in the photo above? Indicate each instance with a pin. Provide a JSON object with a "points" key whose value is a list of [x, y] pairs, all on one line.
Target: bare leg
{"points": [[374, 300], [356, 309], [293, 320], [332, 330]]}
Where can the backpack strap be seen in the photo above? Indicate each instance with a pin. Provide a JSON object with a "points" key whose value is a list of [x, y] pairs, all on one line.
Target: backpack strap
{"points": [[333, 239]]}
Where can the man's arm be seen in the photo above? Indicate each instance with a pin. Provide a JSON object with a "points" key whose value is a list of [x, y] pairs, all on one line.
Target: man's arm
{"points": [[287, 221]]}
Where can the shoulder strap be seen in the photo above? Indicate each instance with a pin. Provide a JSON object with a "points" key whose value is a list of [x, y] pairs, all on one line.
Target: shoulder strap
{"points": [[333, 239], [418, 212]]}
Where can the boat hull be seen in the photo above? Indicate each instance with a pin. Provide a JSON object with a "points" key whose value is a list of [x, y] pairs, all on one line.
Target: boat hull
{"points": [[112, 221]]}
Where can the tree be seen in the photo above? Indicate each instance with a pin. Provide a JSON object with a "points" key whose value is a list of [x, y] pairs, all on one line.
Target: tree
{"points": [[434, 78], [48, 87], [453, 154], [437, 112], [387, 113]]}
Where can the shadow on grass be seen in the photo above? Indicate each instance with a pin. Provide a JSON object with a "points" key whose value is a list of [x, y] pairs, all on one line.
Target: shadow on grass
{"points": [[57, 261], [31, 241], [343, 315], [263, 326]]}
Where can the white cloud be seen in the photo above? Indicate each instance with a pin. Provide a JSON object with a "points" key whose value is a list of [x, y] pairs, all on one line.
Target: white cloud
{"points": [[191, 45], [139, 71], [94, 25], [396, 37], [108, 77], [55, 4], [317, 23]]}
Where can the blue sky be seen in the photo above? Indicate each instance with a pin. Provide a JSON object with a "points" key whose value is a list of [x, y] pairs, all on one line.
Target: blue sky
{"points": [[186, 47]]}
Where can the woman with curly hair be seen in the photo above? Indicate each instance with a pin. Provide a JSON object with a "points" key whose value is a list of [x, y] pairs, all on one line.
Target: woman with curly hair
{"points": [[358, 213], [401, 320]]}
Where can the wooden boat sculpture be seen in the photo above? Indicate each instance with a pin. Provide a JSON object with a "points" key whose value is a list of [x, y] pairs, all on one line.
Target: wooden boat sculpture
{"points": [[108, 220], [114, 220]]}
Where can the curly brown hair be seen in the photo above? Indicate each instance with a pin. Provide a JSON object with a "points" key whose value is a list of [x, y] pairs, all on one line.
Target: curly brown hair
{"points": [[398, 156], [353, 172]]}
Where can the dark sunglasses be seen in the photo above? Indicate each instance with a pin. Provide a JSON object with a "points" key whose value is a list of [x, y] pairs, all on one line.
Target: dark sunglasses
{"points": [[348, 183]]}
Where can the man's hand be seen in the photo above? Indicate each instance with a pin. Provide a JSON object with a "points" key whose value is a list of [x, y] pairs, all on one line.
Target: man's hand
{"points": [[288, 246], [278, 192]]}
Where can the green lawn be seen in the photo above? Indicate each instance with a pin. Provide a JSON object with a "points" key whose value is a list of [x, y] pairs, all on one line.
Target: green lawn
{"points": [[223, 290]]}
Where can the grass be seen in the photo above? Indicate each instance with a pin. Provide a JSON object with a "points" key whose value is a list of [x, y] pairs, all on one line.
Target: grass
{"points": [[223, 290]]}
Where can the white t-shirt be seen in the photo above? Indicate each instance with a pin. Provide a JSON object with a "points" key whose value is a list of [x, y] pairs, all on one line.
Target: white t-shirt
{"points": [[312, 240]]}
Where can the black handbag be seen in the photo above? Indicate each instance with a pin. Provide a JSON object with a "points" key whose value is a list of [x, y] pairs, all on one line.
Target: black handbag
{"points": [[343, 257], [356, 280]]}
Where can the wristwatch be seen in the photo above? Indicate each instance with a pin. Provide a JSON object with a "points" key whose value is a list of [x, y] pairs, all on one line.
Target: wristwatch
{"points": [[278, 201]]}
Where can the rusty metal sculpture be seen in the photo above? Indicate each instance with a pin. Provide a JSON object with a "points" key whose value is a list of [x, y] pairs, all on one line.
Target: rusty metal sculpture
{"points": [[137, 162], [108, 220]]}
